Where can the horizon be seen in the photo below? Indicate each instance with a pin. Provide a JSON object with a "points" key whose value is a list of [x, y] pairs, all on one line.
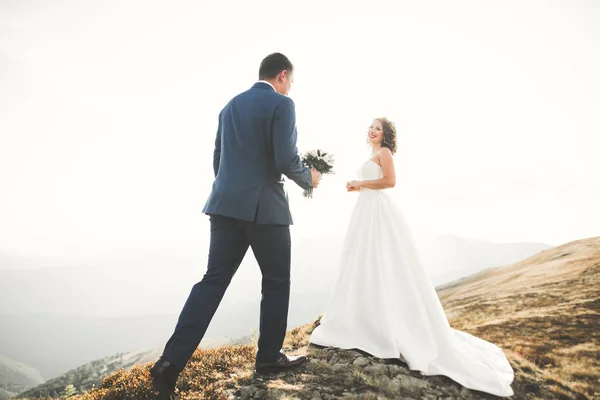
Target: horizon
{"points": [[93, 259]]}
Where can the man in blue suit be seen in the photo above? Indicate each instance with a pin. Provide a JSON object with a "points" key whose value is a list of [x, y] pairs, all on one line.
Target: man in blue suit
{"points": [[248, 207]]}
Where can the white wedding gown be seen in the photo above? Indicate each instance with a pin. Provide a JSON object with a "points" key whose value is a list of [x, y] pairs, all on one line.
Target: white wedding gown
{"points": [[384, 304]]}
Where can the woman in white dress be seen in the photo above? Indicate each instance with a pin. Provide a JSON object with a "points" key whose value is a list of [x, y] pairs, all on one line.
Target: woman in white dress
{"points": [[383, 302]]}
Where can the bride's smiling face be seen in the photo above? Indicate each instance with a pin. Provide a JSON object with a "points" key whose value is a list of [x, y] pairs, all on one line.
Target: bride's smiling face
{"points": [[376, 132]]}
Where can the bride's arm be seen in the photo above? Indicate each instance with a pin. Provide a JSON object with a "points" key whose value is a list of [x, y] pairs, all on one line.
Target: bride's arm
{"points": [[389, 174]]}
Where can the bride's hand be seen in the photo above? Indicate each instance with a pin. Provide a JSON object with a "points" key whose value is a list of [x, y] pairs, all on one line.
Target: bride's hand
{"points": [[353, 186]]}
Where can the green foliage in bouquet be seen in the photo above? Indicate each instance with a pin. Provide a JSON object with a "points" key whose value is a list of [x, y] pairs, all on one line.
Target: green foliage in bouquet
{"points": [[319, 160]]}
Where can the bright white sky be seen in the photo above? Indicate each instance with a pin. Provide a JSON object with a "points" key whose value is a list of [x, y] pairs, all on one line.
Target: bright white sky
{"points": [[108, 114]]}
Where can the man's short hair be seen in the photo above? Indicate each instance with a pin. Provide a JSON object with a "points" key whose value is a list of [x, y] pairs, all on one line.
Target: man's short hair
{"points": [[273, 64]]}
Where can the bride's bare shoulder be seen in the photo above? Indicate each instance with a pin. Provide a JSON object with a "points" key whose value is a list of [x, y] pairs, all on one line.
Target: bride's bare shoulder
{"points": [[385, 151], [384, 155]]}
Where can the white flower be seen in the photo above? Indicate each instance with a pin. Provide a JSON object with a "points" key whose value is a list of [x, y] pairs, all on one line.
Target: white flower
{"points": [[324, 156]]}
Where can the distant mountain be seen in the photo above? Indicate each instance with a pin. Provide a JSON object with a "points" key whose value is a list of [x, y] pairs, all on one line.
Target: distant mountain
{"points": [[120, 304], [5, 394], [16, 377], [55, 344], [104, 286], [449, 257]]}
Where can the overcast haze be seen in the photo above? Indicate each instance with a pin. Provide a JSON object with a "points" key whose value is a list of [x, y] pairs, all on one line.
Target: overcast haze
{"points": [[108, 114]]}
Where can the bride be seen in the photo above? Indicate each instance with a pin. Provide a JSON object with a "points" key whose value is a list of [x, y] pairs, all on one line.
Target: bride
{"points": [[383, 302]]}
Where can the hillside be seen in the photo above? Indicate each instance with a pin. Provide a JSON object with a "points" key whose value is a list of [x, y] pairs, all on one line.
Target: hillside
{"points": [[543, 311], [16, 376], [91, 374]]}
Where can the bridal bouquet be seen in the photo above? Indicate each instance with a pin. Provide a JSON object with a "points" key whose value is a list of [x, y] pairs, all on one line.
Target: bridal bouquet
{"points": [[319, 160]]}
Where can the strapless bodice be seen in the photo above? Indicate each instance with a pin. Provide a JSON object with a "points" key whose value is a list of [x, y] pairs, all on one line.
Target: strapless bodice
{"points": [[370, 170]]}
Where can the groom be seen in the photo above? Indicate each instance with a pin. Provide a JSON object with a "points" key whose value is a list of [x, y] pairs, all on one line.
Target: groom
{"points": [[248, 207]]}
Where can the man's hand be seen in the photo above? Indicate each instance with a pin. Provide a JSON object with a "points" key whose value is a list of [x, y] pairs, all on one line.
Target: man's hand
{"points": [[316, 177]]}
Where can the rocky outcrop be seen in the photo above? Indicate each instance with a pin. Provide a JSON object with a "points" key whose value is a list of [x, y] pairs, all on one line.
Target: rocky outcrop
{"points": [[352, 374]]}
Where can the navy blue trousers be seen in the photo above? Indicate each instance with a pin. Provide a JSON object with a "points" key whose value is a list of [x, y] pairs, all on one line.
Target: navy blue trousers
{"points": [[229, 242]]}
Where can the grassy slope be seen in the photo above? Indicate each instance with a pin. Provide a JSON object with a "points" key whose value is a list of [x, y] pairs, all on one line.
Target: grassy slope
{"points": [[545, 312]]}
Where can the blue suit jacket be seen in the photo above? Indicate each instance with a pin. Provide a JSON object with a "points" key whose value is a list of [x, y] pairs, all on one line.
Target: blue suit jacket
{"points": [[255, 145]]}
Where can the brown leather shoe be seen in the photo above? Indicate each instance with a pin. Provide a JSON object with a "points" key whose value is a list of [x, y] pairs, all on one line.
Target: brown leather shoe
{"points": [[283, 363]]}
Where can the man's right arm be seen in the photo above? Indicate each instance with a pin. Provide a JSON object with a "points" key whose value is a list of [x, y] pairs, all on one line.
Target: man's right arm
{"points": [[285, 136], [217, 152]]}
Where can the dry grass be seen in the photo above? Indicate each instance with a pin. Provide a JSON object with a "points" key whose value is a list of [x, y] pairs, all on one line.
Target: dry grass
{"points": [[207, 375], [545, 313]]}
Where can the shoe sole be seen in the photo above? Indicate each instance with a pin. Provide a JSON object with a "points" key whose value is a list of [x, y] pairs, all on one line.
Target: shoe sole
{"points": [[275, 370], [160, 388]]}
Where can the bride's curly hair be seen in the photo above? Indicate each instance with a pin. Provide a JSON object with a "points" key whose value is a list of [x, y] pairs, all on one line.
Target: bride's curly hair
{"points": [[389, 134]]}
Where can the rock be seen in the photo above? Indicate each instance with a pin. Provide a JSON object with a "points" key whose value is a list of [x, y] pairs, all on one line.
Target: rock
{"points": [[465, 393], [260, 393], [395, 386], [340, 367], [376, 369], [453, 390], [361, 362], [247, 392], [397, 369], [337, 359], [343, 357], [410, 383], [354, 353]]}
